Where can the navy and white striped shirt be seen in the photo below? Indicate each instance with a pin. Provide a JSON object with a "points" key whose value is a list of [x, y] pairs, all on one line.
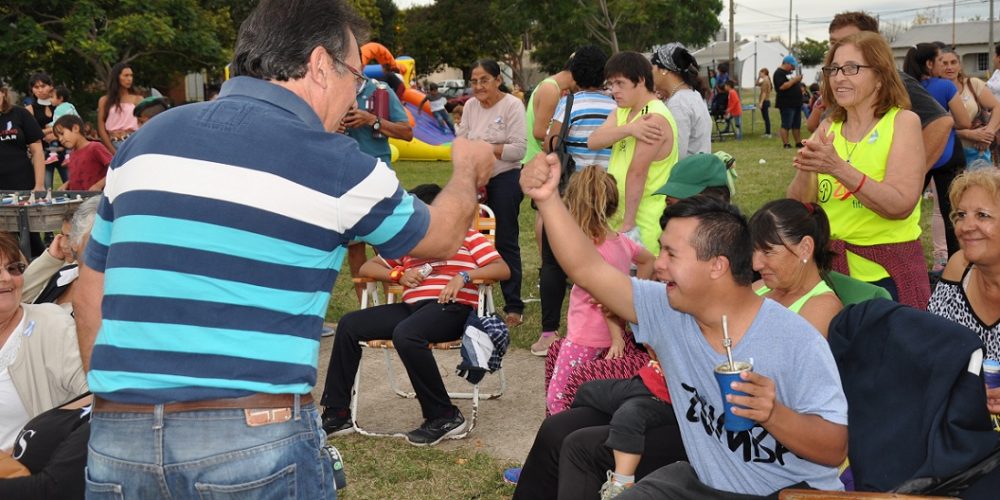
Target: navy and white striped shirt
{"points": [[220, 235], [590, 110]]}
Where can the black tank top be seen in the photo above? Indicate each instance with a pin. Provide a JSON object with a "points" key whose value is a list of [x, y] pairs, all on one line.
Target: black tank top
{"points": [[39, 111]]}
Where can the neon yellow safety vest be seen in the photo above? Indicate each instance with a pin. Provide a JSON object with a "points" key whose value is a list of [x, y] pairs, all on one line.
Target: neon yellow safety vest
{"points": [[651, 206], [850, 220]]}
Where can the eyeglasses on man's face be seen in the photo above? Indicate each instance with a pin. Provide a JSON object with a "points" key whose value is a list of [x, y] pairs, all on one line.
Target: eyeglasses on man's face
{"points": [[849, 69], [360, 79]]}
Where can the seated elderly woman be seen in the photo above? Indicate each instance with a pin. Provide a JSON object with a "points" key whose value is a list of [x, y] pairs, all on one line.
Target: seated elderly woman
{"points": [[969, 290], [435, 306], [791, 253], [50, 277], [40, 365]]}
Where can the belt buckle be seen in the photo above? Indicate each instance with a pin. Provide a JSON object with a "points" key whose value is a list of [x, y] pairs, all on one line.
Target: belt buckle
{"points": [[257, 417]]}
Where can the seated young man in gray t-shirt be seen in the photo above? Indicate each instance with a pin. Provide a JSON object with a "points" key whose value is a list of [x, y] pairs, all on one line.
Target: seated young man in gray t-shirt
{"points": [[704, 272]]}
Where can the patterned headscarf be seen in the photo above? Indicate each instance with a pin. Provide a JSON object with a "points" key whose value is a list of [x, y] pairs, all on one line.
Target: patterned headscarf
{"points": [[663, 56]]}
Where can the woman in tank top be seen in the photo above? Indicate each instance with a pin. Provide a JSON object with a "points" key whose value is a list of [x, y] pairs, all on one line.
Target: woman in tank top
{"points": [[791, 252], [865, 167], [115, 121]]}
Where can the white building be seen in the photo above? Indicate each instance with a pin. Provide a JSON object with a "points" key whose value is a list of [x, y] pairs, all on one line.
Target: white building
{"points": [[749, 58], [971, 43]]}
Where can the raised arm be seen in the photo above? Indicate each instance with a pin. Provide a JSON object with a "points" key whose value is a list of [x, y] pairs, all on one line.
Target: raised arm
{"points": [[453, 209], [573, 249]]}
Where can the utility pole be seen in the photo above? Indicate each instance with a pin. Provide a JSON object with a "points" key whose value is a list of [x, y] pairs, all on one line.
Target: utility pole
{"points": [[953, 23], [992, 42], [789, 24], [732, 41], [796, 28]]}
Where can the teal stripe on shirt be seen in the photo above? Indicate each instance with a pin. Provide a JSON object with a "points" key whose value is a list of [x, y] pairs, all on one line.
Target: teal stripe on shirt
{"points": [[221, 239], [101, 231], [173, 285], [201, 340], [105, 381], [392, 224]]}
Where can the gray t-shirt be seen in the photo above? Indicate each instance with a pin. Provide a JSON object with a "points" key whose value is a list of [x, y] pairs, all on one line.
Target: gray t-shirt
{"points": [[785, 348], [694, 124]]}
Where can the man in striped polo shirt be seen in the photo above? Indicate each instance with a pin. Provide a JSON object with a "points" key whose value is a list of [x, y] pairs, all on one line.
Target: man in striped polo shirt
{"points": [[218, 240]]}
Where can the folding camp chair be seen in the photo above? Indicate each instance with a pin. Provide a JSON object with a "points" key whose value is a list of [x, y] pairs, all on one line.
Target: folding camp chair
{"points": [[485, 222]]}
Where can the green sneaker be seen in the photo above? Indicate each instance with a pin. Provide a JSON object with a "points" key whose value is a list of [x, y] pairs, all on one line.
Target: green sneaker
{"points": [[611, 489]]}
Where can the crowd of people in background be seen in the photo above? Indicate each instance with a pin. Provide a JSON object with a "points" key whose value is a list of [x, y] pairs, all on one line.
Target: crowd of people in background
{"points": [[184, 295]]}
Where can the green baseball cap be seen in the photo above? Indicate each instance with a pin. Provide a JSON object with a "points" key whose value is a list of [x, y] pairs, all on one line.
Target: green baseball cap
{"points": [[693, 174]]}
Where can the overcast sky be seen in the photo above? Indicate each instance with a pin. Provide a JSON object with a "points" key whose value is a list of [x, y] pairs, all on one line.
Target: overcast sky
{"points": [[770, 17]]}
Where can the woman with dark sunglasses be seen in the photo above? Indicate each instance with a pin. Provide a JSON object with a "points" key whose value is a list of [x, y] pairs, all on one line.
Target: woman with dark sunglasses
{"points": [[865, 167], [40, 365]]}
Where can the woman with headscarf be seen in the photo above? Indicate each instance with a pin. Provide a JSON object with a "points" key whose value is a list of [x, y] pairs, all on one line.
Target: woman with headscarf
{"points": [[676, 79]]}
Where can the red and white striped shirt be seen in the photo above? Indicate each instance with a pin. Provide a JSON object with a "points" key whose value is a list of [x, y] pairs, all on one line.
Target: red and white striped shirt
{"points": [[476, 251]]}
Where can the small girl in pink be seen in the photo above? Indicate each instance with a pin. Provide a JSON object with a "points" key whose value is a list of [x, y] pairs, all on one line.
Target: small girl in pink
{"points": [[592, 197]]}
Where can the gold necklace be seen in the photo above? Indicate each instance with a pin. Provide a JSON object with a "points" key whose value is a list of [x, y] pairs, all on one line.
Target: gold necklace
{"points": [[864, 131]]}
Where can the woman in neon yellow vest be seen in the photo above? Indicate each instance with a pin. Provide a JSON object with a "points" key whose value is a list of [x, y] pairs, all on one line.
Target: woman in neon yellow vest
{"points": [[865, 166], [641, 133]]}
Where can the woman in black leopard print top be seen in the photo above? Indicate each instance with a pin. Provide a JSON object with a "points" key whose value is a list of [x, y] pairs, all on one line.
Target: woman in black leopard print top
{"points": [[969, 290]]}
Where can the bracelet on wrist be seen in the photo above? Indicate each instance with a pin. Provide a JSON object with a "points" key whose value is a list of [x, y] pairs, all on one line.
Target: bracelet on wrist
{"points": [[864, 178], [396, 274], [465, 277]]}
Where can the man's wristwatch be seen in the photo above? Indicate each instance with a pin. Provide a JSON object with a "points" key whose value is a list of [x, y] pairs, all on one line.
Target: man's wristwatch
{"points": [[377, 125], [465, 277]]}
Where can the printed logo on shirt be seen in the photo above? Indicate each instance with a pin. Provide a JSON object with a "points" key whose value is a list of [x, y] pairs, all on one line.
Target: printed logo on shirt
{"points": [[9, 133], [755, 445]]}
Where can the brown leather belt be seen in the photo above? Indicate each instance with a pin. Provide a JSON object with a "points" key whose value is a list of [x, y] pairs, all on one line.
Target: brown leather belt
{"points": [[255, 401]]}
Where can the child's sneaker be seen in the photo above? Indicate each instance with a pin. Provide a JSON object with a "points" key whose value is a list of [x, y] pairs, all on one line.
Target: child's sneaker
{"points": [[52, 158], [611, 489]]}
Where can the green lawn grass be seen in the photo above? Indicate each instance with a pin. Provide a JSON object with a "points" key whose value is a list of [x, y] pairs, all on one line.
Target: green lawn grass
{"points": [[390, 468]]}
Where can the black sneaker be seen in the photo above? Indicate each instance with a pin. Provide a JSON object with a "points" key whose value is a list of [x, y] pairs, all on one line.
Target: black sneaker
{"points": [[434, 430], [337, 424], [799, 145], [788, 146]]}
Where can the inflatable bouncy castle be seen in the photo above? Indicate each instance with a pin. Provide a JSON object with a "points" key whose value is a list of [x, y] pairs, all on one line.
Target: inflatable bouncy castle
{"points": [[429, 142]]}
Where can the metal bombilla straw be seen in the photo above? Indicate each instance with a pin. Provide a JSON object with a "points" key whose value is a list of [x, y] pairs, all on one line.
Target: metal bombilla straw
{"points": [[727, 342]]}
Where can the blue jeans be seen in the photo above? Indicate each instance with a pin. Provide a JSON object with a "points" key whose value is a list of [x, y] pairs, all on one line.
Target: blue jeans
{"points": [[207, 454]]}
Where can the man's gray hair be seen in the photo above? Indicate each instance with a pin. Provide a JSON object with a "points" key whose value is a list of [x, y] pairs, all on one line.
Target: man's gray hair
{"points": [[275, 41], [83, 220]]}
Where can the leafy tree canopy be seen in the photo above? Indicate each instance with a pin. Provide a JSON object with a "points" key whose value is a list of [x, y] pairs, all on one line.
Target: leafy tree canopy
{"points": [[811, 52]]}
